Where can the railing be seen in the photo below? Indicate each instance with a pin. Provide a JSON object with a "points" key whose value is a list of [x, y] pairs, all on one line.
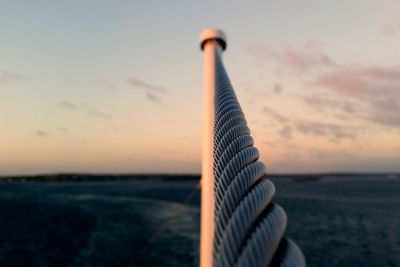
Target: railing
{"points": [[240, 226]]}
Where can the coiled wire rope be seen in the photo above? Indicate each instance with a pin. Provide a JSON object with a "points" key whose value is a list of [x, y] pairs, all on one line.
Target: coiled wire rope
{"points": [[249, 228]]}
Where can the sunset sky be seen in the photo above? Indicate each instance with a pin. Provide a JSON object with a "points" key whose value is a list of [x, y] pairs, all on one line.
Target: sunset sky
{"points": [[115, 86]]}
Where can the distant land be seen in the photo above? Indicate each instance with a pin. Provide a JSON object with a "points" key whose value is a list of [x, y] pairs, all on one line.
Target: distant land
{"points": [[87, 177]]}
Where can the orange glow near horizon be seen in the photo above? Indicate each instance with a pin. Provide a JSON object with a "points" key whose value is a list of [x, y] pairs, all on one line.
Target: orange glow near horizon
{"points": [[124, 94]]}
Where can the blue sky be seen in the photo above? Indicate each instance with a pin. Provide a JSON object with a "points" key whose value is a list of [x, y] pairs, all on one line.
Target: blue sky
{"points": [[115, 86]]}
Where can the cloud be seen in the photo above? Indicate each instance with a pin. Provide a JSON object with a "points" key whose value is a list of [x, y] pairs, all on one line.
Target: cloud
{"points": [[332, 154], [278, 89], [386, 111], [376, 87], [68, 105], [367, 92], [146, 86], [99, 114], [301, 59], [286, 132], [63, 129], [288, 126], [353, 81], [106, 83], [326, 104], [9, 75], [275, 115], [153, 97], [41, 133], [247, 85], [391, 27], [342, 82], [325, 129], [84, 109], [153, 92]]}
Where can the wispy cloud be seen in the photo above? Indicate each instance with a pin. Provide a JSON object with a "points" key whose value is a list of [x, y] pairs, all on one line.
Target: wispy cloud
{"points": [[360, 81], [85, 109], [63, 129], [68, 105], [391, 27], [106, 83], [386, 111], [146, 86], [274, 115], [376, 87], [41, 133], [288, 126], [301, 59], [247, 85], [326, 104], [153, 93], [99, 114], [325, 129], [153, 97], [10, 75], [278, 89], [286, 132]]}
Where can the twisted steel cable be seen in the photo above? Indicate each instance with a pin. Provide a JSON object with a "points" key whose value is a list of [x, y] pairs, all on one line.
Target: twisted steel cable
{"points": [[249, 228]]}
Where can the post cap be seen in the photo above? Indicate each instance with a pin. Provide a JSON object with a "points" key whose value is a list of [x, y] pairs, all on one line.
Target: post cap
{"points": [[212, 34]]}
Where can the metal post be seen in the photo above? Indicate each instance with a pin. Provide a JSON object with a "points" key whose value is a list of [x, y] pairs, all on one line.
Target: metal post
{"points": [[212, 42]]}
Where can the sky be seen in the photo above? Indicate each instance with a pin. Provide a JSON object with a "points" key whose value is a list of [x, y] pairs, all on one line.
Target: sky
{"points": [[116, 86]]}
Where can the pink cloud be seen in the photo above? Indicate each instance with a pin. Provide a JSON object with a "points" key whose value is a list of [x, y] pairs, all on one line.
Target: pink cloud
{"points": [[392, 26], [325, 103], [360, 81], [342, 82], [386, 111], [325, 129], [303, 58], [275, 116], [376, 88], [286, 132], [278, 89], [333, 131]]}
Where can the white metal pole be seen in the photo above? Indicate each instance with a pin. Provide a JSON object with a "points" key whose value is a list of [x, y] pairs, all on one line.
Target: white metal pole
{"points": [[212, 43]]}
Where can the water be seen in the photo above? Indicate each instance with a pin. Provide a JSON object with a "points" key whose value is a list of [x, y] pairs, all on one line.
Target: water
{"points": [[344, 222], [337, 221]]}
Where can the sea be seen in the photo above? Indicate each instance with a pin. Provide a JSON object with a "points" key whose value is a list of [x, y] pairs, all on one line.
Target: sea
{"points": [[337, 220]]}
